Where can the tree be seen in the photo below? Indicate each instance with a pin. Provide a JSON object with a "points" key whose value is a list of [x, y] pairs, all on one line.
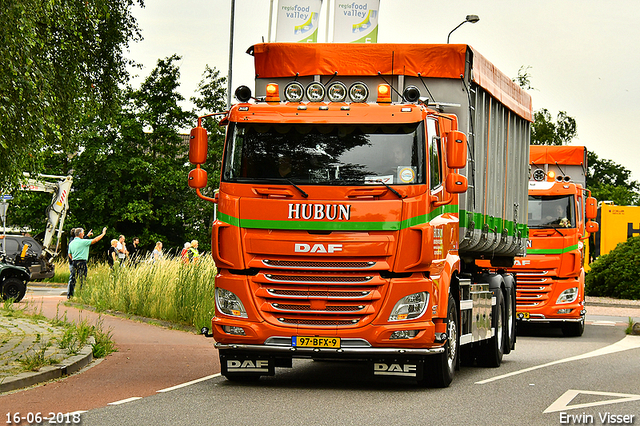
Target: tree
{"points": [[609, 181], [545, 132], [211, 99], [135, 174], [61, 63]]}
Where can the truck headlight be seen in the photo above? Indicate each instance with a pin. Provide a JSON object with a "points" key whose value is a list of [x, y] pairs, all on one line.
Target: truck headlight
{"points": [[410, 307], [228, 303], [568, 296]]}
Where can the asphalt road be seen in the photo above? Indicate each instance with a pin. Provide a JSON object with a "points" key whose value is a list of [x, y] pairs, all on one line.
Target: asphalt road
{"points": [[166, 377], [530, 382]]}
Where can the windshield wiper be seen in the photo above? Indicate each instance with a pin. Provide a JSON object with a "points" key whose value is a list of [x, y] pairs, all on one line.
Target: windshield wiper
{"points": [[304, 194], [391, 189], [279, 180]]}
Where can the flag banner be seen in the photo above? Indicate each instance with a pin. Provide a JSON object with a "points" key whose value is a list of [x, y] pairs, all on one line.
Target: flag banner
{"points": [[297, 21], [356, 21]]}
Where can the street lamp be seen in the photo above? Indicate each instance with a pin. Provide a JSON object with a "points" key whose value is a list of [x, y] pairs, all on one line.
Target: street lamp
{"points": [[470, 18]]}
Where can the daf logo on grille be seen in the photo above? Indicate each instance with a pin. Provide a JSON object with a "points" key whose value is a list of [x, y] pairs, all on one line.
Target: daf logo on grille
{"points": [[317, 248]]}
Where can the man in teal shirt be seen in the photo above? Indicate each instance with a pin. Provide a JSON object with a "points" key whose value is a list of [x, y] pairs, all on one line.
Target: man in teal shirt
{"points": [[79, 254]]}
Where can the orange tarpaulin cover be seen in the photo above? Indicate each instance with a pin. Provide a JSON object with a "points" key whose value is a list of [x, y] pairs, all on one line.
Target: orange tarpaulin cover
{"points": [[568, 155], [274, 60]]}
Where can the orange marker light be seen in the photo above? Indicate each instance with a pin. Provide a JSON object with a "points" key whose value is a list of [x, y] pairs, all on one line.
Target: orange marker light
{"points": [[384, 93], [551, 175], [273, 93]]}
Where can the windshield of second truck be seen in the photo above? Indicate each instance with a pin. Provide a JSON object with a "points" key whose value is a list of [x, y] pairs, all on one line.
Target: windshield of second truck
{"points": [[325, 154], [551, 211]]}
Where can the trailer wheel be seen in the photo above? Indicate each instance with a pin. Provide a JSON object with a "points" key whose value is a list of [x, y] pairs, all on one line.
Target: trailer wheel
{"points": [[510, 303], [13, 288], [491, 352], [441, 368], [573, 329]]}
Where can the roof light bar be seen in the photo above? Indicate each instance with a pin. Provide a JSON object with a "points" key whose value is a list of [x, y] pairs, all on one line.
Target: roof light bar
{"points": [[337, 92], [358, 92], [294, 92], [315, 92]]}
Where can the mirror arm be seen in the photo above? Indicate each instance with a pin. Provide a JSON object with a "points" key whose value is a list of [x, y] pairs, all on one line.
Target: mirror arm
{"points": [[436, 203], [204, 197]]}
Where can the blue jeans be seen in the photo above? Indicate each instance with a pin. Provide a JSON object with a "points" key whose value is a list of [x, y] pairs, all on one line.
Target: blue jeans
{"points": [[79, 272], [72, 280]]}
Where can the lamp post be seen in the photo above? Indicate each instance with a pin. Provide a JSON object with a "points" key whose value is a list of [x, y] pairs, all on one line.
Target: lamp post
{"points": [[470, 18]]}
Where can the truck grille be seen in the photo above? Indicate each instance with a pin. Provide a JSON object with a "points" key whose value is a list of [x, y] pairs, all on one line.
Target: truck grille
{"points": [[317, 265], [318, 299], [533, 289]]}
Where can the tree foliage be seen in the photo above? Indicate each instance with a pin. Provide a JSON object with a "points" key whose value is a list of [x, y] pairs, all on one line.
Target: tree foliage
{"points": [[615, 274], [544, 131], [609, 181], [211, 99], [131, 173], [60, 63]]}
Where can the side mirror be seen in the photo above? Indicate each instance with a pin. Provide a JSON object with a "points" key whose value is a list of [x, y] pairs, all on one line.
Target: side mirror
{"points": [[197, 178], [592, 208], [592, 227], [456, 183], [456, 149], [198, 145]]}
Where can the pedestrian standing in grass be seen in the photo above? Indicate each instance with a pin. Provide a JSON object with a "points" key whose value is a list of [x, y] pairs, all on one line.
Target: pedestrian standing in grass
{"points": [[72, 275], [157, 252], [185, 252], [122, 250], [112, 253], [72, 270], [135, 252], [79, 252], [194, 255]]}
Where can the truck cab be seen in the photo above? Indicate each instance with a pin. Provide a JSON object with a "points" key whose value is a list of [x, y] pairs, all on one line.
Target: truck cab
{"points": [[560, 212]]}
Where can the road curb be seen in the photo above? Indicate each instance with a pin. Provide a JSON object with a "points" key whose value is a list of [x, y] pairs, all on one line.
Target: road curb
{"points": [[68, 366]]}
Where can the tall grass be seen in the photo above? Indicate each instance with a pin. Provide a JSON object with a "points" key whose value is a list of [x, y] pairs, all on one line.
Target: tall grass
{"points": [[166, 290]]}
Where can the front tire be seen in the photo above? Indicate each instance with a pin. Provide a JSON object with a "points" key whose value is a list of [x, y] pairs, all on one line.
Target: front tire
{"points": [[573, 329], [13, 288], [440, 368]]}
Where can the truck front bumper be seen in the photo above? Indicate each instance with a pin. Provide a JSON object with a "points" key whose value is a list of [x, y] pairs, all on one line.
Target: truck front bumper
{"points": [[351, 348]]}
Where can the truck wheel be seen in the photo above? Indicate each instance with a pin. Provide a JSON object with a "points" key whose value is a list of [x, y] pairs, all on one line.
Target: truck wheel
{"points": [[573, 329], [440, 368], [510, 303], [13, 288], [491, 352]]}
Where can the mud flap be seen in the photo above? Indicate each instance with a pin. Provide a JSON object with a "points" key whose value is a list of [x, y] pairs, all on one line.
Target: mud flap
{"points": [[410, 368], [239, 364]]}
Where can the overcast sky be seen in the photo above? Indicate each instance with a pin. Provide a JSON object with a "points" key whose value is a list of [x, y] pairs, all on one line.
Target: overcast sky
{"points": [[583, 54]]}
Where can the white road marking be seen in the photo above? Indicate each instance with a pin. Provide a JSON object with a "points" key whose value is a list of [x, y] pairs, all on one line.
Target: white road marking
{"points": [[562, 403], [189, 383], [629, 342], [135, 398]]}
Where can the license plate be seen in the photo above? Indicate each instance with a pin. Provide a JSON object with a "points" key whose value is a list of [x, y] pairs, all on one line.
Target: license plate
{"points": [[522, 315], [315, 342]]}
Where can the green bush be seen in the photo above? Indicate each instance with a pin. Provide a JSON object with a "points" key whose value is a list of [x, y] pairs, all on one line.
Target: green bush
{"points": [[616, 274]]}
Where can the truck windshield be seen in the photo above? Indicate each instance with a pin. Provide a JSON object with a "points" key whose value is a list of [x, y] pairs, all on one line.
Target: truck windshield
{"points": [[551, 211], [325, 154]]}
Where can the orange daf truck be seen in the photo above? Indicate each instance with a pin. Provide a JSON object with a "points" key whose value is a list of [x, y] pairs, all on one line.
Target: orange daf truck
{"points": [[551, 276], [359, 185]]}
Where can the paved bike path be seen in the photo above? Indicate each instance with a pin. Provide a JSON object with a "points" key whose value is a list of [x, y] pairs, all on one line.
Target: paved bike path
{"points": [[149, 358]]}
